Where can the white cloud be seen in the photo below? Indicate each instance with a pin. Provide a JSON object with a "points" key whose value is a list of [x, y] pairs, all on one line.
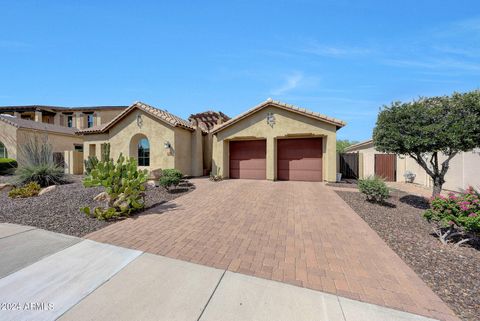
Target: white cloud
{"points": [[290, 83], [335, 51]]}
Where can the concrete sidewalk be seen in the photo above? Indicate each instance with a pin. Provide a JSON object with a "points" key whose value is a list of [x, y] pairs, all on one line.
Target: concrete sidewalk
{"points": [[73, 279]]}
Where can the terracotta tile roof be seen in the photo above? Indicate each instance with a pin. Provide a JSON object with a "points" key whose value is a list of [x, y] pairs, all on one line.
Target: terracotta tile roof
{"points": [[269, 102], [160, 114], [30, 124], [209, 118]]}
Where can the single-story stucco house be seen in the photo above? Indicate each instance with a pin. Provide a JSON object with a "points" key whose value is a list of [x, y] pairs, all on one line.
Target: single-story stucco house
{"points": [[15, 131], [273, 141], [156, 138], [276, 141], [463, 170]]}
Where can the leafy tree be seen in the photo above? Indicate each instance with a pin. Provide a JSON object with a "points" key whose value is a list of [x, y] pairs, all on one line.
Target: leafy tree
{"points": [[342, 144], [431, 131]]}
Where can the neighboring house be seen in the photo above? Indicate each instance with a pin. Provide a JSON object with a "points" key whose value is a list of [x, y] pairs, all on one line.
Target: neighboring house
{"points": [[463, 171], [73, 117], [16, 131], [277, 141], [156, 138]]}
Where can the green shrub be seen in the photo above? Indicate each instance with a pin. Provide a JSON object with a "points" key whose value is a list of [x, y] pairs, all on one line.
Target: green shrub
{"points": [[374, 188], [90, 163], [456, 215], [29, 190], [172, 172], [169, 181], [37, 164], [124, 184], [44, 174], [7, 166]]}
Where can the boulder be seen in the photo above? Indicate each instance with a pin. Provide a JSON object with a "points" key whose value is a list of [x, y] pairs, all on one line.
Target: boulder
{"points": [[150, 184], [103, 196], [47, 189], [155, 174], [6, 187]]}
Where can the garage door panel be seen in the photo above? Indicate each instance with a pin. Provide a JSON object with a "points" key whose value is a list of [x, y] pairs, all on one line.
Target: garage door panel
{"points": [[299, 175], [304, 164], [248, 159], [299, 159]]}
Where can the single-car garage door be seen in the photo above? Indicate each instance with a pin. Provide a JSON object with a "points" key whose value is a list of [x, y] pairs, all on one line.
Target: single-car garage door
{"points": [[299, 159], [248, 159]]}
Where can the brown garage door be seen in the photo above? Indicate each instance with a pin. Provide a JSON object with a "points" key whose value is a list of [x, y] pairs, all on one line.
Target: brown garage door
{"points": [[299, 159], [248, 159], [385, 166]]}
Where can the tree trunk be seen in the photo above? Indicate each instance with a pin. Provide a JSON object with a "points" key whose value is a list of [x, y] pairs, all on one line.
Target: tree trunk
{"points": [[437, 186]]}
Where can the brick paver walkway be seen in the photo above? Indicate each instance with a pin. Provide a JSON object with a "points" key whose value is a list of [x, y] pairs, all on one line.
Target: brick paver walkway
{"points": [[295, 232]]}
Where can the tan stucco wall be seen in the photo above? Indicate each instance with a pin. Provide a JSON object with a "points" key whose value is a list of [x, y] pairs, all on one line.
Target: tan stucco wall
{"points": [[287, 125], [207, 152], [183, 151], [197, 153], [124, 133], [463, 170], [105, 116]]}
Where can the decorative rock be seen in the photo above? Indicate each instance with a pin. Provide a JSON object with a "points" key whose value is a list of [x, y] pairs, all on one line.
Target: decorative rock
{"points": [[47, 189], [155, 174], [103, 196], [150, 184], [6, 187]]}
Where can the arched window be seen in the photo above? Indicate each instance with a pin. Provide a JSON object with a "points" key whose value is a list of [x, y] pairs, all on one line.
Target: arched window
{"points": [[3, 151], [143, 152]]}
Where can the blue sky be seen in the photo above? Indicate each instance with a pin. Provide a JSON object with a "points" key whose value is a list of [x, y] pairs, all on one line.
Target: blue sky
{"points": [[342, 58]]}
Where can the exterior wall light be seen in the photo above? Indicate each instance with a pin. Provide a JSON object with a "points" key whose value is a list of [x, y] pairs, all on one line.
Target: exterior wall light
{"points": [[167, 145]]}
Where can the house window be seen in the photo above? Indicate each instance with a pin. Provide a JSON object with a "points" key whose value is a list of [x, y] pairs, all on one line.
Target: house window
{"points": [[90, 120], [70, 121], [3, 151], [143, 152]]}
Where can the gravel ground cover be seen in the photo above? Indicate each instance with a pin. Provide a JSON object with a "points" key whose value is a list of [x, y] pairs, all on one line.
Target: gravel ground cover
{"points": [[59, 210], [454, 274]]}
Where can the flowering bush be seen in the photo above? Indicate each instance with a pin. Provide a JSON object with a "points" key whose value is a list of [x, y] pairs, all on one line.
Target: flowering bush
{"points": [[456, 215]]}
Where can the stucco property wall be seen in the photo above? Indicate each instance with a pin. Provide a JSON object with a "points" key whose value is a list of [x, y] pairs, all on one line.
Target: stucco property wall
{"points": [[287, 125], [463, 170]]}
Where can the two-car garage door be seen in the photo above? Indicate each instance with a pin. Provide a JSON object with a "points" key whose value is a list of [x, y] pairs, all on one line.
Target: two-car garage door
{"points": [[298, 159]]}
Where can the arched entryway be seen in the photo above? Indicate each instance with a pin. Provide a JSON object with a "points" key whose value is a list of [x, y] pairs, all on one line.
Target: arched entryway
{"points": [[3, 151], [140, 149]]}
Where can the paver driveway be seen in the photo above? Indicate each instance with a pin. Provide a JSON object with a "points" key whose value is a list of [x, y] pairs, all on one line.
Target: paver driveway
{"points": [[300, 233]]}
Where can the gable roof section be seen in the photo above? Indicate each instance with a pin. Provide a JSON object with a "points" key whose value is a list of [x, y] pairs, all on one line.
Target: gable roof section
{"points": [[30, 124], [284, 106], [359, 145], [159, 114]]}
